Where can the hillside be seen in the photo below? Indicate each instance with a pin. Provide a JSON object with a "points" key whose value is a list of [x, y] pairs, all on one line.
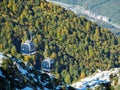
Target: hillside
{"points": [[15, 75], [109, 8], [78, 46], [18, 75], [107, 80], [109, 19]]}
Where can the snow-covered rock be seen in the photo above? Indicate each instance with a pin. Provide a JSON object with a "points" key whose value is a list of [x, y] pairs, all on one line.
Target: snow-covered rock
{"points": [[1, 75], [27, 88], [1, 56], [17, 74], [96, 79]]}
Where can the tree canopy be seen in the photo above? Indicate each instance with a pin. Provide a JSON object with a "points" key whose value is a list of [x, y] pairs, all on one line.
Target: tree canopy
{"points": [[75, 43]]}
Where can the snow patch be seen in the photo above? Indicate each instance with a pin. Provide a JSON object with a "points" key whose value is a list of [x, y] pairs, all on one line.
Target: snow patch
{"points": [[93, 81], [27, 88], [46, 88], [1, 74], [38, 88], [1, 56], [23, 71]]}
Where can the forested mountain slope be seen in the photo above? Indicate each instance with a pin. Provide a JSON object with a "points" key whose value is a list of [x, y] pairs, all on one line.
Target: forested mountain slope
{"points": [[15, 75], [77, 45]]}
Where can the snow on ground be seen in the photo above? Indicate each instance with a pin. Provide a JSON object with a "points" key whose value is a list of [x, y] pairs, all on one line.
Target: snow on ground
{"points": [[27, 88], [1, 56], [46, 88], [94, 80], [45, 83], [23, 71], [26, 73], [1, 74], [38, 88], [58, 88], [51, 75]]}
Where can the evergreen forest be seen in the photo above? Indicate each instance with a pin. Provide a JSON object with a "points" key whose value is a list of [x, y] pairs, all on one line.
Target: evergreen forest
{"points": [[78, 46]]}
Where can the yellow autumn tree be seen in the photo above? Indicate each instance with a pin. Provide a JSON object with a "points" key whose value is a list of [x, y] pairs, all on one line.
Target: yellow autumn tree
{"points": [[0, 47], [82, 75]]}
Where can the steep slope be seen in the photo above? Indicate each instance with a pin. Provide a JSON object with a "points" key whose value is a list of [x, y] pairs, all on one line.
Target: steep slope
{"points": [[107, 79], [76, 44], [15, 75]]}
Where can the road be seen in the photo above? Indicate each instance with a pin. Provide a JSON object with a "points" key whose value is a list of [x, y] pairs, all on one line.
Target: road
{"points": [[81, 10]]}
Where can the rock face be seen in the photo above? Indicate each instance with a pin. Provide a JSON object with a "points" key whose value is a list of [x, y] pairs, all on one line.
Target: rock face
{"points": [[15, 75]]}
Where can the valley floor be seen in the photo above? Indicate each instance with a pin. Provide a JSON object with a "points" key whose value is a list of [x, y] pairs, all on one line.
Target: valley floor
{"points": [[78, 10]]}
